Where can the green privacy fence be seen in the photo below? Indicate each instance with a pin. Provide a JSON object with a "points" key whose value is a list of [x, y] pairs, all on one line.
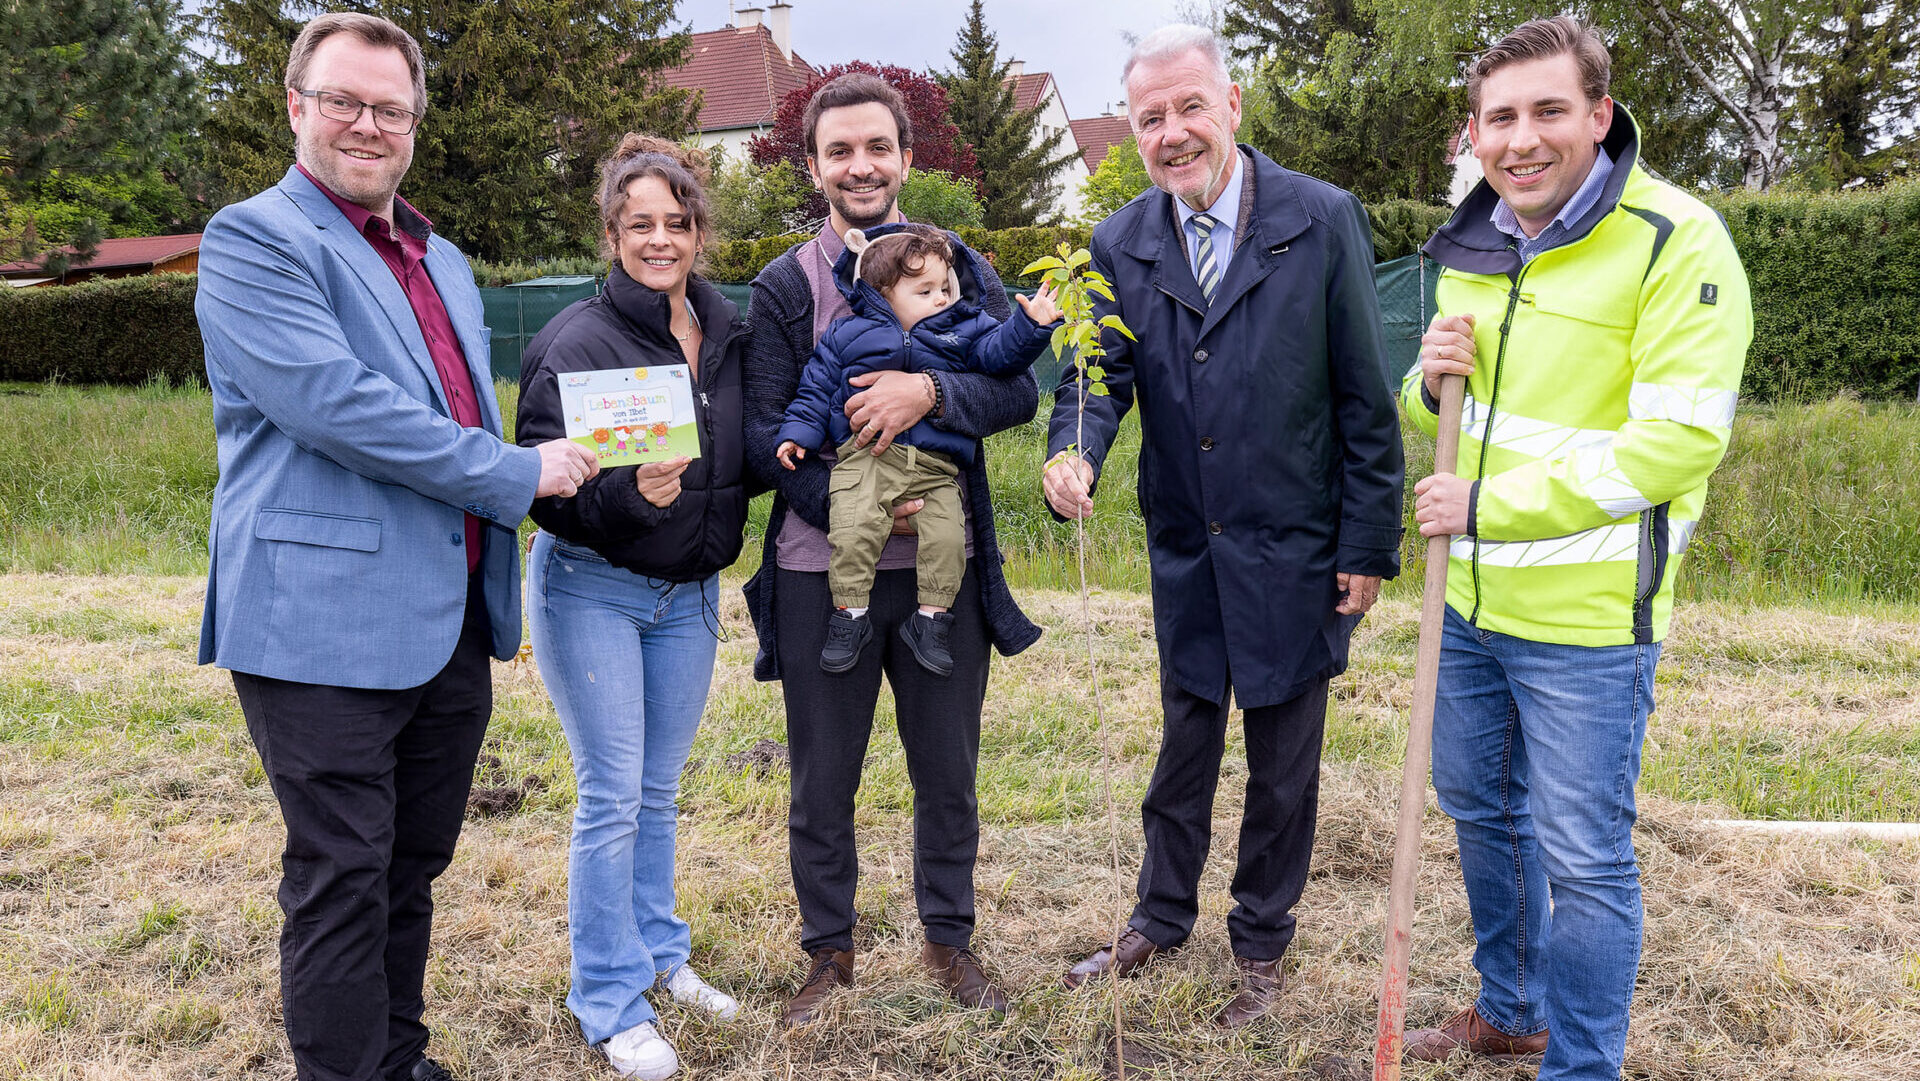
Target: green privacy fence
{"points": [[517, 312]]}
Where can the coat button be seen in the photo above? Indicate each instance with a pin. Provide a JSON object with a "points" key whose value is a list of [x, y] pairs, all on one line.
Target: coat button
{"points": [[456, 540], [1206, 443], [1213, 528], [1200, 355]]}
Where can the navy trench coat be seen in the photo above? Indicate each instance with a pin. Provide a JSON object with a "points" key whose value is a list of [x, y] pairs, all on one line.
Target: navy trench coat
{"points": [[1270, 456]]}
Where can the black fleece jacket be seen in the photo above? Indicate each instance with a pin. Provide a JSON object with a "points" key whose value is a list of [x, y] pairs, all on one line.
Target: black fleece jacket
{"points": [[627, 327]]}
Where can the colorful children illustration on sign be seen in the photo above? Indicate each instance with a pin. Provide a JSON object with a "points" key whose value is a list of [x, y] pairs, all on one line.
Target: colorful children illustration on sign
{"points": [[615, 412]]}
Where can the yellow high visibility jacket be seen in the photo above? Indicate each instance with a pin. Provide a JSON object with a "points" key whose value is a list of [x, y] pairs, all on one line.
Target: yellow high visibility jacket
{"points": [[1602, 397]]}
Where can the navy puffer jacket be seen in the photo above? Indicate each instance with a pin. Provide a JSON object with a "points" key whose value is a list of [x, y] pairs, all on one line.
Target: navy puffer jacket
{"points": [[958, 338]]}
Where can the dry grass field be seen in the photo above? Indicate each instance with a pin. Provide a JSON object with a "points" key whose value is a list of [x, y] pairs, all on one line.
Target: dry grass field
{"points": [[138, 855]]}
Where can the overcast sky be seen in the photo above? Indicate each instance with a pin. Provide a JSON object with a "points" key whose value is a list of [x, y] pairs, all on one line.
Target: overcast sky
{"points": [[1079, 41]]}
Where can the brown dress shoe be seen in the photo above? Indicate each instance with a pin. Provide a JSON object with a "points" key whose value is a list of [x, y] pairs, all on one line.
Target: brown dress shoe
{"points": [[1467, 1031], [959, 971], [1260, 983], [1135, 950], [831, 969]]}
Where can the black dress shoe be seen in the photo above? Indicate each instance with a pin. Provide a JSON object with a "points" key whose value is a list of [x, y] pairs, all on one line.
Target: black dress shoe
{"points": [[847, 635], [926, 635]]}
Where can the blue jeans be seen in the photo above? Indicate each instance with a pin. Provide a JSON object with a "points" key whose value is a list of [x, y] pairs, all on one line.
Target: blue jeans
{"points": [[628, 660], [1536, 751]]}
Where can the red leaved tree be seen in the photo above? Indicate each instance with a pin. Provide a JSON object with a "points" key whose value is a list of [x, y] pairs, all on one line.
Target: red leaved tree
{"points": [[936, 142]]}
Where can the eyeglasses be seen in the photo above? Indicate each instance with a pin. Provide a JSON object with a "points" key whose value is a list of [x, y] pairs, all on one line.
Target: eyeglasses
{"points": [[391, 119]]}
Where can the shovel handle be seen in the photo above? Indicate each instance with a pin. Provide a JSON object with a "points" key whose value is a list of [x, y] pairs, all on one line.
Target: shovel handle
{"points": [[1391, 1022]]}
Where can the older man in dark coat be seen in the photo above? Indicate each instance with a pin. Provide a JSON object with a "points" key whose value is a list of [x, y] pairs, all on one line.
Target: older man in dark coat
{"points": [[1270, 481]]}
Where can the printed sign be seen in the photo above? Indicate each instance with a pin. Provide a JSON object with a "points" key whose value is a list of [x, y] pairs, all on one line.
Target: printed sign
{"points": [[627, 416]]}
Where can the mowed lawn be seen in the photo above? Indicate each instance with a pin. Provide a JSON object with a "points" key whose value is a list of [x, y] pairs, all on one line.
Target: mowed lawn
{"points": [[139, 844]]}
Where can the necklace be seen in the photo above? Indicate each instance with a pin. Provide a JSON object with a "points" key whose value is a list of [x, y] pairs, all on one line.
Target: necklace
{"points": [[692, 322]]}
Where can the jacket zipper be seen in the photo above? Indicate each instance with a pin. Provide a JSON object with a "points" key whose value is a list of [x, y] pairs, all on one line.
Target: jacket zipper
{"points": [[1486, 439]]}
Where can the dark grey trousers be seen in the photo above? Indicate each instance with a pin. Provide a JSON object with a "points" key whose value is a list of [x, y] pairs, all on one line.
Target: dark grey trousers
{"points": [[1276, 823], [829, 721]]}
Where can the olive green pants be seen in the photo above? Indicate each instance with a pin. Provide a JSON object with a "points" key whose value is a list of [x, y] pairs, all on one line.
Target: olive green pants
{"points": [[861, 494]]}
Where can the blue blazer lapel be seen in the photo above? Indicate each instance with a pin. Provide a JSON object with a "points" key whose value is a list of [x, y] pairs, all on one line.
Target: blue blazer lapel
{"points": [[383, 289]]}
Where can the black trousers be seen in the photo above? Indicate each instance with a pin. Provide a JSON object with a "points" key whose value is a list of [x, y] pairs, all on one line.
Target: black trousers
{"points": [[372, 786], [1276, 824], [829, 720]]}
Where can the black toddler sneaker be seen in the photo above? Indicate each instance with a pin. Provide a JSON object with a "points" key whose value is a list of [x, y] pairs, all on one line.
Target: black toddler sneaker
{"points": [[847, 635], [927, 635]]}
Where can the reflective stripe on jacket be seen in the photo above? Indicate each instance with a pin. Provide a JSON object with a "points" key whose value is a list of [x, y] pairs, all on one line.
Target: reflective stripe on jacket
{"points": [[1602, 398]]}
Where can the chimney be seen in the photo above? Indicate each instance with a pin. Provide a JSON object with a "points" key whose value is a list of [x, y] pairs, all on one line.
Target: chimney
{"points": [[1016, 68], [747, 19], [780, 22]]}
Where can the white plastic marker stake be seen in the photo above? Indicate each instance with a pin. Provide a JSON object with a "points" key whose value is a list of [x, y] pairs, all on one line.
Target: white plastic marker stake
{"points": [[1391, 1023]]}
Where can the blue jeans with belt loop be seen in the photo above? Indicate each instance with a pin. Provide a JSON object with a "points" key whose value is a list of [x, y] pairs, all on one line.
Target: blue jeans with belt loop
{"points": [[1536, 752], [628, 660]]}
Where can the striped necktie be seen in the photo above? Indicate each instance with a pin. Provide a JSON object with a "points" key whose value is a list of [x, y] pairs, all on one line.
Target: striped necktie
{"points": [[1206, 268]]}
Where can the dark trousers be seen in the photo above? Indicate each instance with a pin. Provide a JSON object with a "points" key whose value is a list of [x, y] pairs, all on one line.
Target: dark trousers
{"points": [[1276, 824], [829, 720], [372, 786]]}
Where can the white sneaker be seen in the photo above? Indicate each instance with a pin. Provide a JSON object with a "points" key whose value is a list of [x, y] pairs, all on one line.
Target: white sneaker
{"points": [[688, 989], [642, 1052]]}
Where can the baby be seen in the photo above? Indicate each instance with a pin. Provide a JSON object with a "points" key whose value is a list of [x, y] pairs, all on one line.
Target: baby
{"points": [[908, 315]]}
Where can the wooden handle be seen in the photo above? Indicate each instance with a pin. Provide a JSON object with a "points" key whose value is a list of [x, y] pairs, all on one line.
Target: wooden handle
{"points": [[1391, 1022]]}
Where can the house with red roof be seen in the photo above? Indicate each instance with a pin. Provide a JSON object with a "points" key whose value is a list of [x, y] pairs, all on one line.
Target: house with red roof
{"points": [[1039, 88], [743, 72], [1099, 134], [122, 257]]}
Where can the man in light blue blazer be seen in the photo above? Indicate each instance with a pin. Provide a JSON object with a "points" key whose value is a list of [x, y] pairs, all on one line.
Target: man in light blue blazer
{"points": [[364, 565]]}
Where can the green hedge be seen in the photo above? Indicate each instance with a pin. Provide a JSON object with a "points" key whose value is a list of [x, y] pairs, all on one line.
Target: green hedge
{"points": [[125, 331], [1836, 280], [1836, 285]]}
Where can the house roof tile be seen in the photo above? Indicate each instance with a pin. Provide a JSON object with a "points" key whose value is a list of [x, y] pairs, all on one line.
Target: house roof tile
{"points": [[123, 253], [743, 74], [1097, 135]]}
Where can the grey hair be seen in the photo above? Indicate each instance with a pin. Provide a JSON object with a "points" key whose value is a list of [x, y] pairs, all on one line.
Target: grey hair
{"points": [[1178, 40]]}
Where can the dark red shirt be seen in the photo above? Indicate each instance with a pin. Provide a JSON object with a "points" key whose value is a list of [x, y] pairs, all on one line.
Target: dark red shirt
{"points": [[404, 250]]}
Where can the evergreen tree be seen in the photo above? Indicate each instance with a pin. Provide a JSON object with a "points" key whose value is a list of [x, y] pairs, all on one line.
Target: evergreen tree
{"points": [[524, 97], [1335, 96], [246, 127], [1017, 167], [97, 105], [1855, 116]]}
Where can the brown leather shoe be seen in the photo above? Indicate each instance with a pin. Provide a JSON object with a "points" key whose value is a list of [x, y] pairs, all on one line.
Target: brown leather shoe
{"points": [[1260, 983], [1135, 950], [1469, 1032], [831, 969], [959, 971]]}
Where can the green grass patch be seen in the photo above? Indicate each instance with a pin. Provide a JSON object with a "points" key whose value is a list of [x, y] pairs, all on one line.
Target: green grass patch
{"points": [[1808, 508]]}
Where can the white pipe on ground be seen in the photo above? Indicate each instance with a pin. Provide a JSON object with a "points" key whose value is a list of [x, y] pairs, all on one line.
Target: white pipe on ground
{"points": [[1876, 831]]}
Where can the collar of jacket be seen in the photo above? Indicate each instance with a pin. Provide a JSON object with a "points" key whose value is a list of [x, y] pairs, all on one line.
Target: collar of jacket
{"points": [[1279, 217], [647, 310], [1279, 214], [1471, 243]]}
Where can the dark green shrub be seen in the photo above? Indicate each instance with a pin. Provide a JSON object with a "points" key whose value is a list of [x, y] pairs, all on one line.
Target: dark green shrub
{"points": [[1400, 226], [125, 331], [494, 275], [1836, 288]]}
